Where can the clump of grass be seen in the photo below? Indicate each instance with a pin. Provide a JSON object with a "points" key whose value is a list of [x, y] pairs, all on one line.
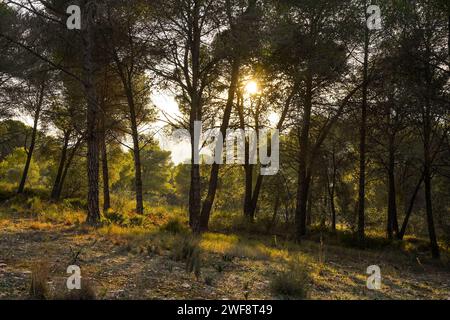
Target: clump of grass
{"points": [[190, 252], [292, 283], [39, 289], [35, 206], [175, 226]]}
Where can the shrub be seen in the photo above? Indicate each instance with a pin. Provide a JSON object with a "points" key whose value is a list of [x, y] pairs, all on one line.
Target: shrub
{"points": [[292, 283]]}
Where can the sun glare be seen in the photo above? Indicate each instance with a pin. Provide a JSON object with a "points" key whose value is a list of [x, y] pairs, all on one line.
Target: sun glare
{"points": [[251, 87]]}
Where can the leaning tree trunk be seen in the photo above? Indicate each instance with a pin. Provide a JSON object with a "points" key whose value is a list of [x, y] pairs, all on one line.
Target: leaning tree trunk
{"points": [[93, 217], [209, 200], [62, 162], [402, 231], [67, 167], [33, 141]]}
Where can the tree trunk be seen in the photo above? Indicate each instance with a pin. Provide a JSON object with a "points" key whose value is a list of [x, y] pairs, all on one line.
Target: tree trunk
{"points": [[62, 162], [255, 197], [33, 140], [105, 172], [136, 151], [392, 220], [362, 144], [402, 232], [427, 160], [93, 217], [194, 45], [67, 167], [331, 191], [209, 200], [303, 180]]}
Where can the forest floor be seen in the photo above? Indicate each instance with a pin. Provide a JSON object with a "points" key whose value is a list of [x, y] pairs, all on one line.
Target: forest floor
{"points": [[133, 263]]}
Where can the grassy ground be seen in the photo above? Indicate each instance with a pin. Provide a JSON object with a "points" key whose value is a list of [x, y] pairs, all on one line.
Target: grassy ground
{"points": [[152, 262]]}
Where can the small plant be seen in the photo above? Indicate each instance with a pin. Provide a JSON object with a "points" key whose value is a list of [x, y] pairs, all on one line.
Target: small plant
{"points": [[39, 289], [209, 280], [219, 267], [115, 217], [292, 283], [137, 220], [227, 257]]}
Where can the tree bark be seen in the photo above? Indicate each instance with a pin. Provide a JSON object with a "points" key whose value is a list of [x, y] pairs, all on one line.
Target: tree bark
{"points": [[93, 217]]}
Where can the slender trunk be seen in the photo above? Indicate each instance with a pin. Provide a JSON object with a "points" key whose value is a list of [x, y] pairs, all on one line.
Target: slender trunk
{"points": [[93, 216], [392, 221], [248, 168], [309, 204], [331, 191], [255, 196], [33, 140], [276, 207], [194, 44], [136, 152], [402, 232], [62, 162], [429, 209], [209, 200], [303, 181], [105, 172], [251, 202], [362, 145], [67, 167], [427, 161]]}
